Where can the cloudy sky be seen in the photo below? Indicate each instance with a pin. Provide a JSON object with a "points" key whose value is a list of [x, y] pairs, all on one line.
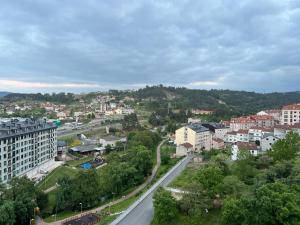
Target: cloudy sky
{"points": [[86, 45]]}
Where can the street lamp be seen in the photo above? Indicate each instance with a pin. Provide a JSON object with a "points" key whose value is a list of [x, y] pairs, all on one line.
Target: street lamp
{"points": [[80, 208], [111, 202]]}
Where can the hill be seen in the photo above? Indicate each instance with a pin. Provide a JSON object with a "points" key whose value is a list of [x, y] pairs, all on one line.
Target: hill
{"points": [[238, 102], [4, 93]]}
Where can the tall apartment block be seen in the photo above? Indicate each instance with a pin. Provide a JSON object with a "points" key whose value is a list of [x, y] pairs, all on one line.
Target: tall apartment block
{"points": [[24, 145], [290, 114]]}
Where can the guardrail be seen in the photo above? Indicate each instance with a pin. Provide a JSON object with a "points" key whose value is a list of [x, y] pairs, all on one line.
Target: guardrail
{"points": [[159, 183]]}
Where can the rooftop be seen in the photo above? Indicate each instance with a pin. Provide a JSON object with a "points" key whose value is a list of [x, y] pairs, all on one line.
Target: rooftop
{"points": [[197, 127], [14, 127], [292, 107]]}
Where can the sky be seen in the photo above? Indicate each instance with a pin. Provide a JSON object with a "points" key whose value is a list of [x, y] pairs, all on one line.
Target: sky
{"points": [[91, 45]]}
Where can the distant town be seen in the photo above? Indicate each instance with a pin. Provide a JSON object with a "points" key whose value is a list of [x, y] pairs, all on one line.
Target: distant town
{"points": [[89, 157]]}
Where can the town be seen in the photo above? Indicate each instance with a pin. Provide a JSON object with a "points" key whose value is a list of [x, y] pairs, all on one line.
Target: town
{"points": [[69, 138]]}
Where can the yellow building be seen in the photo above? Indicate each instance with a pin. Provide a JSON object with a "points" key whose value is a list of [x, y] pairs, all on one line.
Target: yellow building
{"points": [[195, 134]]}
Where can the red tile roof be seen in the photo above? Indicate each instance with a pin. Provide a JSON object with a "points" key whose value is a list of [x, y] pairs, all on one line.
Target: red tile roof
{"points": [[246, 145], [242, 131], [262, 117], [296, 125], [187, 145], [292, 107], [219, 140], [283, 127]]}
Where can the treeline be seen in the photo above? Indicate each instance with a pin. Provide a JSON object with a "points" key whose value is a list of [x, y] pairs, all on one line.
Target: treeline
{"points": [[224, 102], [253, 190], [126, 169], [62, 98], [17, 203]]}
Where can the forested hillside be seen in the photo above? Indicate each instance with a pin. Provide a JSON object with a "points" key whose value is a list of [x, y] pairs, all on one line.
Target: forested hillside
{"points": [[238, 102]]}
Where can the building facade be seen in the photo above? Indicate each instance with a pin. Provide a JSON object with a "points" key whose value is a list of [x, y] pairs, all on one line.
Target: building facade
{"points": [[290, 114], [195, 134], [25, 145]]}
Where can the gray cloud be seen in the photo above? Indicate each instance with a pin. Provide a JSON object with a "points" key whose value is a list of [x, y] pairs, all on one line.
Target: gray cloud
{"points": [[251, 45]]}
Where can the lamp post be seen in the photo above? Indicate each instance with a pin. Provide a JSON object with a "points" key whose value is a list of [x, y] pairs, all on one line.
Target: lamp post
{"points": [[80, 208], [111, 202]]}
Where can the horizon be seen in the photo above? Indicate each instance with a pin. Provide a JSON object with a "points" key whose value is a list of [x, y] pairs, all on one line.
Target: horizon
{"points": [[143, 87], [86, 46]]}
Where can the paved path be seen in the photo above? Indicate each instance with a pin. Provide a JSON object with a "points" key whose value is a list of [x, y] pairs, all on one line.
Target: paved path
{"points": [[133, 193], [141, 212]]}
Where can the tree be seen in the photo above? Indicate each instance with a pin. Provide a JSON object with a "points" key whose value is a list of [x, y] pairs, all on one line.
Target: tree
{"points": [[165, 207], [165, 158], [287, 148], [7, 213], [85, 189], [140, 158], [234, 212], [210, 177], [277, 203], [130, 122], [232, 186], [42, 200], [108, 148], [195, 200]]}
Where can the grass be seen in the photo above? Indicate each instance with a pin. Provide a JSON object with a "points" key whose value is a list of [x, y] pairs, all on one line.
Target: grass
{"points": [[75, 163], [107, 219], [184, 178], [55, 175], [211, 218], [60, 216]]}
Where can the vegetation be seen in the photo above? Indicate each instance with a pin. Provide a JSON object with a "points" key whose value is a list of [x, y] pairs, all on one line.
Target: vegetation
{"points": [[252, 190], [18, 202], [125, 169]]}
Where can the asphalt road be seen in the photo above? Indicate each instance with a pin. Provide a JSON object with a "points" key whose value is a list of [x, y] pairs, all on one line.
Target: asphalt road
{"points": [[141, 212]]}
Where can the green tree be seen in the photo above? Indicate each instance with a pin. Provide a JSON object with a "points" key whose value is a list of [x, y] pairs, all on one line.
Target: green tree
{"points": [[210, 176], [7, 213], [165, 207], [287, 148]]}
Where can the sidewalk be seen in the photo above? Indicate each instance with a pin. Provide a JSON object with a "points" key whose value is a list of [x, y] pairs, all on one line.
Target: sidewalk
{"points": [[133, 193]]}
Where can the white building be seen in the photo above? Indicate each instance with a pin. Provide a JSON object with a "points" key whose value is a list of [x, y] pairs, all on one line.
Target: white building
{"points": [[267, 142], [242, 136], [231, 137], [197, 135], [290, 114], [24, 146]]}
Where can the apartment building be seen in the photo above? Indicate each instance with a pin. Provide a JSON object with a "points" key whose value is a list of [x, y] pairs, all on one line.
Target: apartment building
{"points": [[241, 123], [195, 134], [218, 129], [246, 122], [24, 145], [290, 114]]}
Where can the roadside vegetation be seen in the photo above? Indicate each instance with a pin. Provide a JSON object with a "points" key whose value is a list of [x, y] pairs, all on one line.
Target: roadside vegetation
{"points": [[252, 190], [125, 170]]}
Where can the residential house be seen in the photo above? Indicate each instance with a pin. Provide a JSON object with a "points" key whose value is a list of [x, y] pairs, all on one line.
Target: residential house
{"points": [[218, 129], [184, 149], [243, 146], [218, 143], [281, 130], [231, 137], [242, 136], [267, 142]]}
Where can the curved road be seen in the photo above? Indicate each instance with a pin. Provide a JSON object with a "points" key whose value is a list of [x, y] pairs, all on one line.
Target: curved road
{"points": [[141, 212], [133, 193]]}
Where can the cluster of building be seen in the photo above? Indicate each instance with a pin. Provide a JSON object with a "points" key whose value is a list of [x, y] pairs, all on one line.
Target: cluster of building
{"points": [[255, 133], [27, 146]]}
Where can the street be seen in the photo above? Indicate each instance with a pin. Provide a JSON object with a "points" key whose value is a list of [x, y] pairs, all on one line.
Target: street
{"points": [[141, 212]]}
